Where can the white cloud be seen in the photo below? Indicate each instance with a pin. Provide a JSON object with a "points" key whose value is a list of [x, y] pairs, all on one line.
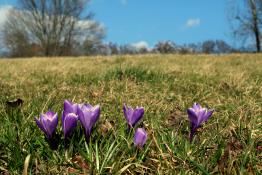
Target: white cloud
{"points": [[90, 25], [123, 2], [85, 24], [140, 45], [90, 29], [193, 22], [3, 13]]}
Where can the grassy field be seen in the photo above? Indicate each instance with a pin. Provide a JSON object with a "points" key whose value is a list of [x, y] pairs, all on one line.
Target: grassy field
{"points": [[165, 85]]}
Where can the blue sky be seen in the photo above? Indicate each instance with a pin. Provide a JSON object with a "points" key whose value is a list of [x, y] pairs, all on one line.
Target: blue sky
{"points": [[181, 21]]}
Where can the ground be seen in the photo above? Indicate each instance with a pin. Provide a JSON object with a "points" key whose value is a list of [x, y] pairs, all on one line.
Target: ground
{"points": [[165, 85]]}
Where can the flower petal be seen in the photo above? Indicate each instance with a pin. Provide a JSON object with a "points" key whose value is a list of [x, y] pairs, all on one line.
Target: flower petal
{"points": [[95, 114], [196, 106], [39, 124], [43, 120], [70, 122], [128, 112], [86, 106], [140, 137], [50, 114], [192, 116], [70, 107], [49, 125], [137, 116], [207, 115], [201, 116], [67, 106], [86, 119], [79, 112]]}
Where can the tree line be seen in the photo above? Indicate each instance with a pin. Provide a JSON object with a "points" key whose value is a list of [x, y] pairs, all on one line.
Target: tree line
{"points": [[66, 28], [169, 47]]}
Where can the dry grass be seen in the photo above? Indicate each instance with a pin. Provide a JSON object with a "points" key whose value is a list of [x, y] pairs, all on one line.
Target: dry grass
{"points": [[166, 85]]}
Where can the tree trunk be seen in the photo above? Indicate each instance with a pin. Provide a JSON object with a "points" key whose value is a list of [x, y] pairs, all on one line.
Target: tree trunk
{"points": [[258, 41], [255, 21]]}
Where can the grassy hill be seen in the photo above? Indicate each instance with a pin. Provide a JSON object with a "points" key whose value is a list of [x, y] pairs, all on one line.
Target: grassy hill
{"points": [[165, 85]]}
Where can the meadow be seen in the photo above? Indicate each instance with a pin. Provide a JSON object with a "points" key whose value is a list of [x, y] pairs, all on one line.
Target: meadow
{"points": [[165, 85]]}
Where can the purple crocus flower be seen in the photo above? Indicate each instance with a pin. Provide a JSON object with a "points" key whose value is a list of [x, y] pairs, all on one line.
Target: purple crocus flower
{"points": [[69, 122], [47, 123], [140, 137], [197, 115], [88, 116], [69, 118], [133, 115]]}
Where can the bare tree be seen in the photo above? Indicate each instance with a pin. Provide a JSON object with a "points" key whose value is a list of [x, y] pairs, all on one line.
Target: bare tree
{"points": [[113, 48], [15, 37], [223, 47], [53, 25], [165, 47], [127, 49], [208, 46], [246, 21]]}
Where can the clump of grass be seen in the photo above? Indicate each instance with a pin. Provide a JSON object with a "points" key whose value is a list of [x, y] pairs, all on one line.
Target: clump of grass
{"points": [[137, 74]]}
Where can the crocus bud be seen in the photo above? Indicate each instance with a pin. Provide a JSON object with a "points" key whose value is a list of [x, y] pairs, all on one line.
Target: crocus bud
{"points": [[133, 116], [47, 123], [69, 122], [197, 115], [140, 137], [69, 118], [88, 116]]}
